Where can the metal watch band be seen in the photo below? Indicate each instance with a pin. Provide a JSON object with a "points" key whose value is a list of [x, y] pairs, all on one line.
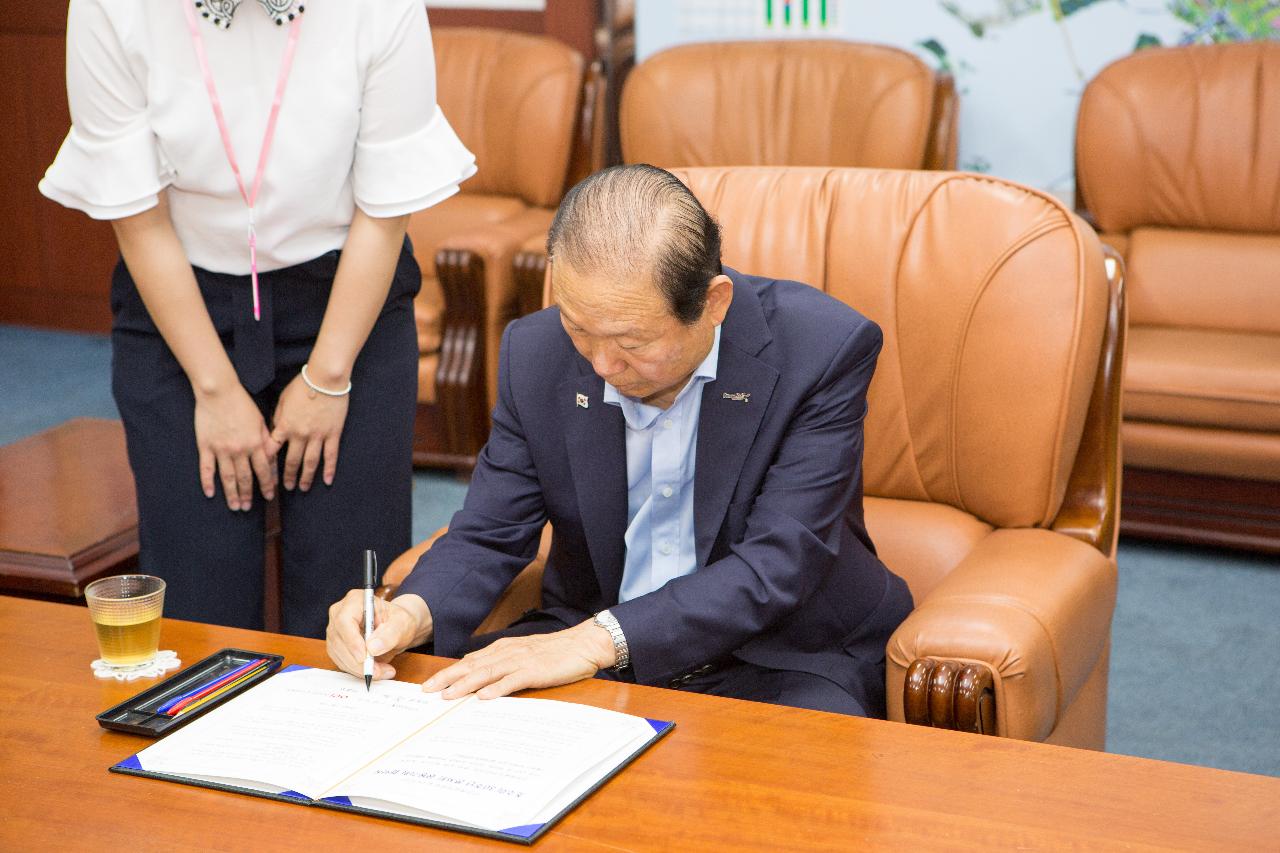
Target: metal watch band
{"points": [[606, 620]]}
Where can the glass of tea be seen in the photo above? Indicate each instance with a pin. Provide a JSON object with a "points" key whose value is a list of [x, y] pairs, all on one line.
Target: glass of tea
{"points": [[126, 614]]}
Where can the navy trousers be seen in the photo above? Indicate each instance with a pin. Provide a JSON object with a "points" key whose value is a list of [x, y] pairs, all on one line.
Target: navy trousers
{"points": [[212, 558]]}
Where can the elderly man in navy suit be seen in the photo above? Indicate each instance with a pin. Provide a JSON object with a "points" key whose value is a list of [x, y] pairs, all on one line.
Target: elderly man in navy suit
{"points": [[694, 437]]}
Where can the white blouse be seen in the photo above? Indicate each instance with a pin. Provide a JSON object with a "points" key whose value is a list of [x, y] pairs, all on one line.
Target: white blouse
{"points": [[358, 125]]}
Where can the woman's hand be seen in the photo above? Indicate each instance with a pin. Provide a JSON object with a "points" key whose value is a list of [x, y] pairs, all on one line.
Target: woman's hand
{"points": [[234, 444], [311, 425]]}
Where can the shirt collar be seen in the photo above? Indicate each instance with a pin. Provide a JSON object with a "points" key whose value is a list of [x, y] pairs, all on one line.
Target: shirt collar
{"points": [[641, 416], [220, 12]]}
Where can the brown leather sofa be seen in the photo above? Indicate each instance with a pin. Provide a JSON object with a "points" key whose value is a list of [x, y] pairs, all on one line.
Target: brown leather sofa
{"points": [[788, 103], [1178, 160], [991, 458], [514, 101]]}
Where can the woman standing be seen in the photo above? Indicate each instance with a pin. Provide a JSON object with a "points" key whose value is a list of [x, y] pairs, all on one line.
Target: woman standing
{"points": [[258, 163]]}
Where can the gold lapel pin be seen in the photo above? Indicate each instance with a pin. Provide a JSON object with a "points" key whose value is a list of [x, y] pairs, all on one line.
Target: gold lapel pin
{"points": [[582, 401], [738, 396]]}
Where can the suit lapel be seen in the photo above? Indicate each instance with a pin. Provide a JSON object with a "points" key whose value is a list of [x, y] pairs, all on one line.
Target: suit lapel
{"points": [[733, 406], [595, 438]]}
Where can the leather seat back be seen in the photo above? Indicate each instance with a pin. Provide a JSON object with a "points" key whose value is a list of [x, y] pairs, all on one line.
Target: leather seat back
{"points": [[512, 99], [961, 413], [817, 103], [1185, 137], [1179, 149]]}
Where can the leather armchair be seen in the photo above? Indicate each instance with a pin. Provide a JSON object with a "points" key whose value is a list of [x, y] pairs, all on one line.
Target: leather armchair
{"points": [[1178, 161], [514, 101], [780, 103], [788, 103], [991, 462]]}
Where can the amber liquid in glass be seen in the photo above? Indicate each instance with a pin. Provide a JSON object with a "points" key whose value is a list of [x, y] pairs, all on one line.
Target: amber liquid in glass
{"points": [[126, 644]]}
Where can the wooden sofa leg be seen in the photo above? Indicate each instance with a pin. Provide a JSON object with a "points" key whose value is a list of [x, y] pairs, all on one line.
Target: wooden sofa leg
{"points": [[947, 694]]}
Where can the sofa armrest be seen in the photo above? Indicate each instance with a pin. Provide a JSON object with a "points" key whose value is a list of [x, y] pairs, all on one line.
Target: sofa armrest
{"points": [[475, 275], [522, 595], [488, 293], [530, 271], [1033, 607]]}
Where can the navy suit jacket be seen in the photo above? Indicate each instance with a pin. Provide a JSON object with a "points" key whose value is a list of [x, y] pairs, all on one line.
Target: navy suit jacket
{"points": [[787, 576]]}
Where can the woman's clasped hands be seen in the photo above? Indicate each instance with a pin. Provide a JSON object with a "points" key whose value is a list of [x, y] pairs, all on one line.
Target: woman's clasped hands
{"points": [[236, 447]]}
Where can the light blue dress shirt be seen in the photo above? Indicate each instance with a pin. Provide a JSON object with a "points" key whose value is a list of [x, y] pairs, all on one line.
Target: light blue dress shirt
{"points": [[661, 450]]}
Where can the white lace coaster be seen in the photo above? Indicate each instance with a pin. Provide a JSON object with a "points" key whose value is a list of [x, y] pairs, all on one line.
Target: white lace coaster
{"points": [[159, 665]]}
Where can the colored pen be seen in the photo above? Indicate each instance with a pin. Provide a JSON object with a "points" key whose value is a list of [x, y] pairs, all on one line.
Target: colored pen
{"points": [[208, 686], [370, 581], [196, 701]]}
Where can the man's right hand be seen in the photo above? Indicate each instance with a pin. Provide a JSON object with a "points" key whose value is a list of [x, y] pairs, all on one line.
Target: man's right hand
{"points": [[398, 625]]}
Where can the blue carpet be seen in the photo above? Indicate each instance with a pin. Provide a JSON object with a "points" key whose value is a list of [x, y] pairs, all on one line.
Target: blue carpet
{"points": [[1195, 658]]}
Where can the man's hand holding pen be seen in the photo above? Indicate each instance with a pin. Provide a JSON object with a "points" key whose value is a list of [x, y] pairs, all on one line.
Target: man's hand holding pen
{"points": [[398, 625], [507, 666]]}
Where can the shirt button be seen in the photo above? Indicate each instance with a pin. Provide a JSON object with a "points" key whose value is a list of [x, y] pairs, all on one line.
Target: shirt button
{"points": [[667, 491], [665, 548], [666, 423]]}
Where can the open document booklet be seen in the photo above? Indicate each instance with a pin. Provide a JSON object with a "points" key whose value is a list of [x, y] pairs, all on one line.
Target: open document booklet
{"points": [[507, 768]]}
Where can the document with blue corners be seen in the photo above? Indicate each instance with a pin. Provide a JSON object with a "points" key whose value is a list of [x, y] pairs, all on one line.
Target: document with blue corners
{"points": [[505, 768]]}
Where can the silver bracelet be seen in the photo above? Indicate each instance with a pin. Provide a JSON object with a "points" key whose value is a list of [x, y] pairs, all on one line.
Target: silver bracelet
{"points": [[325, 391], [609, 622]]}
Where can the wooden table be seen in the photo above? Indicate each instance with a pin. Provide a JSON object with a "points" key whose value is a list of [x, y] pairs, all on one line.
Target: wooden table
{"points": [[67, 509], [733, 775]]}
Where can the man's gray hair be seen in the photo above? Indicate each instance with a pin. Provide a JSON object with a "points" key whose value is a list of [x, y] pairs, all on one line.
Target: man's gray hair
{"points": [[639, 219]]}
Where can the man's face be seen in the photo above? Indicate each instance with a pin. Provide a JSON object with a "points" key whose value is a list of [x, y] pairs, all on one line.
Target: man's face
{"points": [[627, 332]]}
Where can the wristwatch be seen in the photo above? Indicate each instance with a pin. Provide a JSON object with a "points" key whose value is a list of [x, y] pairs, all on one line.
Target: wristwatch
{"points": [[607, 621]]}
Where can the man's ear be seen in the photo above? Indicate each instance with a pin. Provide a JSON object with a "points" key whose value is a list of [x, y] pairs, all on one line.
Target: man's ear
{"points": [[547, 298], [719, 297]]}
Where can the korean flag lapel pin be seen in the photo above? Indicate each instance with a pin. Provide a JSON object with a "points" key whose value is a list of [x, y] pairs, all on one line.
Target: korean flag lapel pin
{"points": [[582, 401]]}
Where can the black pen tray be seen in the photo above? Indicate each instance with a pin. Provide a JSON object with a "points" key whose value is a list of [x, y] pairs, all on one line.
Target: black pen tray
{"points": [[137, 714]]}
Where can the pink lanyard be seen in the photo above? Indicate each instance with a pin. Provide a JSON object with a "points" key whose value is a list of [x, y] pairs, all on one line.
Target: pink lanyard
{"points": [[250, 197]]}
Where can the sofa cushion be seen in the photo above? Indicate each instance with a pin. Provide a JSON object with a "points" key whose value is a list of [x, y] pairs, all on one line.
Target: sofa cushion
{"points": [[1201, 377], [1241, 454], [1204, 279], [919, 541]]}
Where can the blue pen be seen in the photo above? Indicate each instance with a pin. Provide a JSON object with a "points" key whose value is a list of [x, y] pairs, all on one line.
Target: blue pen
{"points": [[229, 675]]}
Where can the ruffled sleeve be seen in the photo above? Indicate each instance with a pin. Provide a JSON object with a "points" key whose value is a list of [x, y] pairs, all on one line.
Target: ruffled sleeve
{"points": [[109, 166], [407, 155]]}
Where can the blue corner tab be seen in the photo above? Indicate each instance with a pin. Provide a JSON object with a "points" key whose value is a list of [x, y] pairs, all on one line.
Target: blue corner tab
{"points": [[130, 763], [295, 795], [338, 801], [293, 667], [526, 831], [659, 726]]}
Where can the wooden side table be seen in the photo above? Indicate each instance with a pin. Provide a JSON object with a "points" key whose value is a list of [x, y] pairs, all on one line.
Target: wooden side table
{"points": [[68, 513]]}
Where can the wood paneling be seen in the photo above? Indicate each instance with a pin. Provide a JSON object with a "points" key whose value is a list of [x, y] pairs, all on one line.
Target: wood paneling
{"points": [[732, 776], [55, 263], [573, 22]]}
